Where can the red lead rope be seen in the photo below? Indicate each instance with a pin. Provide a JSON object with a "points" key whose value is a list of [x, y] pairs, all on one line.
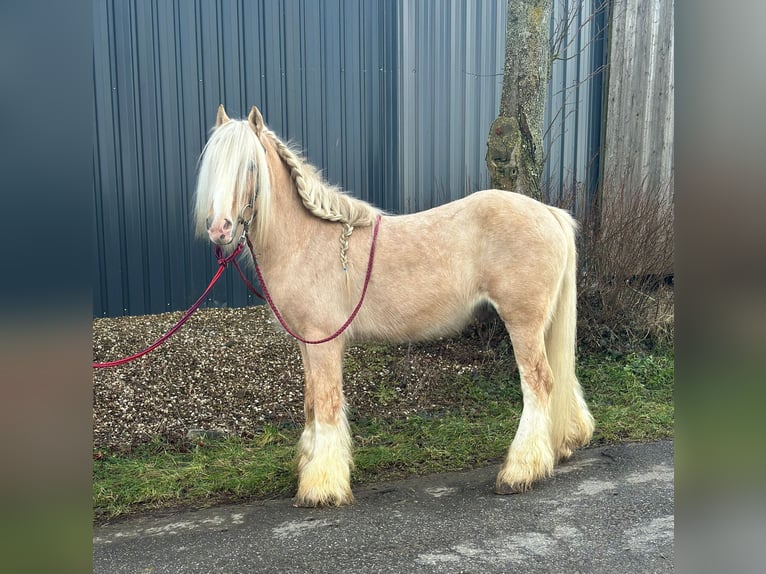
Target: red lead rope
{"points": [[222, 263]]}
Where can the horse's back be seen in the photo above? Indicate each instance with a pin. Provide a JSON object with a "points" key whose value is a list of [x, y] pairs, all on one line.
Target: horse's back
{"points": [[488, 204], [489, 218]]}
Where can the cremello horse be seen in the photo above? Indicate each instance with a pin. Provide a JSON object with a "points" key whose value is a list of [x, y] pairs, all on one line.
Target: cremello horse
{"points": [[431, 270]]}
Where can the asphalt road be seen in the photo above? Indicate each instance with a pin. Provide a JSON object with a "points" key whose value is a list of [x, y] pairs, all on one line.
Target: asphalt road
{"points": [[609, 509]]}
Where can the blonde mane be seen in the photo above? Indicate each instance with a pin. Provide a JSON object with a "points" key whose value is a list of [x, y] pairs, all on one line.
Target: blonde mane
{"points": [[323, 200]]}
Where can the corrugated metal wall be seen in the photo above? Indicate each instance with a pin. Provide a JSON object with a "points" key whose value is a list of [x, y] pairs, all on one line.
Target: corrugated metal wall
{"points": [[391, 98], [451, 65], [323, 73], [573, 111]]}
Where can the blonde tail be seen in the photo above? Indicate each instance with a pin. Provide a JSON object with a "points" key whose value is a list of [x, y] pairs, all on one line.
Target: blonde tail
{"points": [[572, 422]]}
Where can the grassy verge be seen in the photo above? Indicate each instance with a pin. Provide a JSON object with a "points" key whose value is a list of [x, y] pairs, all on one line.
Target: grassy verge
{"points": [[631, 398]]}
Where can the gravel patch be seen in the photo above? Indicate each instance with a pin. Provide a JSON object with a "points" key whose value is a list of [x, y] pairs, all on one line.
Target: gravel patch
{"points": [[231, 371]]}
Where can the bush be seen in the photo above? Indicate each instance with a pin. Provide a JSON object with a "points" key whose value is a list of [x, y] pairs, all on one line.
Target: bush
{"points": [[625, 286]]}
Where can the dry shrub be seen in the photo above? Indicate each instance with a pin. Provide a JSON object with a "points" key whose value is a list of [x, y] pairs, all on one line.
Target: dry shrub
{"points": [[625, 286]]}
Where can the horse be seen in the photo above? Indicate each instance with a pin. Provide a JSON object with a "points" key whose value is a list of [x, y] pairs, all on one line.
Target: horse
{"points": [[313, 245]]}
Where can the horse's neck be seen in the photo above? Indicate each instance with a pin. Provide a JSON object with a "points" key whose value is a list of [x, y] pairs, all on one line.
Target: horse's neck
{"points": [[291, 226]]}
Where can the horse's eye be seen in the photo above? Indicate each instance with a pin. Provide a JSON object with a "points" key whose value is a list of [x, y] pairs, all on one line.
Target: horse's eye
{"points": [[251, 167]]}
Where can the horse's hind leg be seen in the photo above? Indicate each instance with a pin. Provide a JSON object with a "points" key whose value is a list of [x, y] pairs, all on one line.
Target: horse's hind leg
{"points": [[530, 456], [324, 451]]}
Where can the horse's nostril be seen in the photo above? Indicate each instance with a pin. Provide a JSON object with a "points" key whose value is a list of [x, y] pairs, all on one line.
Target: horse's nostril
{"points": [[226, 224]]}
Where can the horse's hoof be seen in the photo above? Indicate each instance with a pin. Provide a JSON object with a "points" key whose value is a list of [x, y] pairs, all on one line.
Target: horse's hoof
{"points": [[505, 488], [303, 503]]}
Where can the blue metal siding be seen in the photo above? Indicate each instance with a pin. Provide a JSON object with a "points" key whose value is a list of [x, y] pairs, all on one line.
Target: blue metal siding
{"points": [[573, 109], [323, 73], [451, 63]]}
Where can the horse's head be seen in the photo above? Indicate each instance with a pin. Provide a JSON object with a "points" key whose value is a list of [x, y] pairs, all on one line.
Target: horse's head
{"points": [[233, 178]]}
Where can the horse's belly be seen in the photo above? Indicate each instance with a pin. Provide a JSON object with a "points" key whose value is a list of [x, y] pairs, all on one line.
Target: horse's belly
{"points": [[419, 316]]}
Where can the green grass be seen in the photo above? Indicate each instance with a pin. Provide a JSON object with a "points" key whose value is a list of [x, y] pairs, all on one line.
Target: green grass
{"points": [[630, 397]]}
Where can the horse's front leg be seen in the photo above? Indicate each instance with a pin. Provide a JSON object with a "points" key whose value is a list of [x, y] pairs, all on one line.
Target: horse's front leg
{"points": [[324, 450]]}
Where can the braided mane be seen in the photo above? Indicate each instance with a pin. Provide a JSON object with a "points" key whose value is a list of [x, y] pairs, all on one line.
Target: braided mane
{"points": [[320, 198]]}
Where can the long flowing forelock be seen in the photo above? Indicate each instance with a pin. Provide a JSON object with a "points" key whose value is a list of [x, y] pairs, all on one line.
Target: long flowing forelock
{"points": [[225, 175]]}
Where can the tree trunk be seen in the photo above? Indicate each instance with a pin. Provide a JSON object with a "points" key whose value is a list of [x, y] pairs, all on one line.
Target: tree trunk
{"points": [[515, 141]]}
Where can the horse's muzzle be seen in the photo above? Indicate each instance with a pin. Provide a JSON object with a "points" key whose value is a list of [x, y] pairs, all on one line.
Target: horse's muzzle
{"points": [[221, 232]]}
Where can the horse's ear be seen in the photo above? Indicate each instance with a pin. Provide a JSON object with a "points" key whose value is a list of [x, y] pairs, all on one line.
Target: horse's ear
{"points": [[256, 120], [221, 117]]}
